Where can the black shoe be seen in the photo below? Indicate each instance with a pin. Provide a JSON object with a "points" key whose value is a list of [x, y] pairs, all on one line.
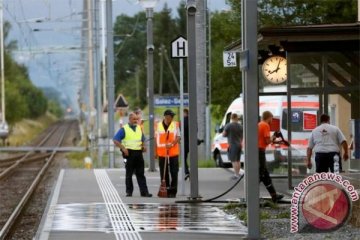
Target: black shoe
{"points": [[187, 176], [129, 194], [277, 197], [146, 195]]}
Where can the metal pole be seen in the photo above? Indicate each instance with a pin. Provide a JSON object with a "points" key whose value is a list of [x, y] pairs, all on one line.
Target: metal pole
{"points": [[193, 125], [208, 110], [2, 63], [103, 47], [110, 74], [251, 113], [289, 125], [91, 65], [181, 69], [150, 81], [98, 82]]}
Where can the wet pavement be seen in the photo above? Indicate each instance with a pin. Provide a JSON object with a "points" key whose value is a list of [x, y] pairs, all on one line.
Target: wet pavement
{"points": [[91, 204], [93, 217]]}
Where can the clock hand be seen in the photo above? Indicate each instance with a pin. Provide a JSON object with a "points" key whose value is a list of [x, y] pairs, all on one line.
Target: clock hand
{"points": [[276, 69], [278, 64], [271, 72]]}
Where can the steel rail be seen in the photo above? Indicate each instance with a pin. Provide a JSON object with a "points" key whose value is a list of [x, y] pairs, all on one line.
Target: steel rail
{"points": [[30, 159], [15, 214], [5, 173]]}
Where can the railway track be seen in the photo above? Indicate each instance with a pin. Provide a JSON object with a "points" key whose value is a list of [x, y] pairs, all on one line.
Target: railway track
{"points": [[21, 175]]}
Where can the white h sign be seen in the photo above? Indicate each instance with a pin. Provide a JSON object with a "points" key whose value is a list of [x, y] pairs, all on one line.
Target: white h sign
{"points": [[179, 48]]}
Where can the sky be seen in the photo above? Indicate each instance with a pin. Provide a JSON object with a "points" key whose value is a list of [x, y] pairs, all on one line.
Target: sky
{"points": [[45, 30]]}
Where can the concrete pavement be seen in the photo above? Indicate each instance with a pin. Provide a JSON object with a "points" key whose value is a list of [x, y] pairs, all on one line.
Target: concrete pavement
{"points": [[91, 204]]}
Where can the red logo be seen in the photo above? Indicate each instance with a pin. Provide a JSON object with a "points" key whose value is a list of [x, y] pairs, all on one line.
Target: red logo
{"points": [[326, 206]]}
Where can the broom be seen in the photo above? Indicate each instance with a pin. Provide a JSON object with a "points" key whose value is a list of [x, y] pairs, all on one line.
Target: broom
{"points": [[163, 190]]}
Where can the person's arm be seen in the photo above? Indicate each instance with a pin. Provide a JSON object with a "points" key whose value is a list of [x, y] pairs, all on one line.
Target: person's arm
{"points": [[155, 143], [176, 140], [143, 139], [224, 133], [120, 135], [342, 140], [308, 157], [345, 150]]}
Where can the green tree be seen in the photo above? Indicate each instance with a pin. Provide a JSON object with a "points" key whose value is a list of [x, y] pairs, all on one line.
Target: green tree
{"points": [[165, 30], [302, 12], [226, 82], [225, 29], [55, 108], [130, 55], [22, 98]]}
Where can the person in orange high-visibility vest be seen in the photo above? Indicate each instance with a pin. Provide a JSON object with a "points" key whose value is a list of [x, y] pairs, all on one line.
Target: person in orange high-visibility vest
{"points": [[167, 136], [138, 113]]}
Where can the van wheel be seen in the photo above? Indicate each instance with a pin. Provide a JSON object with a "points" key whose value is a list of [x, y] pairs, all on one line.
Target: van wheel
{"points": [[218, 160]]}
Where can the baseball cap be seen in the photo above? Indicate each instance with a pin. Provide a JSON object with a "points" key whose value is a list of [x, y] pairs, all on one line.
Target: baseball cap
{"points": [[169, 112]]}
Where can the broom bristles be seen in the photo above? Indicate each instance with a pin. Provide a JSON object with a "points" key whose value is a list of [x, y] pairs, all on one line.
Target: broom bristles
{"points": [[162, 190]]}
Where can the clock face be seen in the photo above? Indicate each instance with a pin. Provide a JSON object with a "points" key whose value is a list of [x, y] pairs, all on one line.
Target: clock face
{"points": [[274, 69]]}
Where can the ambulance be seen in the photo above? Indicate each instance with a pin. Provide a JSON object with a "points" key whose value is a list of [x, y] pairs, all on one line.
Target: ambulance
{"points": [[305, 109]]}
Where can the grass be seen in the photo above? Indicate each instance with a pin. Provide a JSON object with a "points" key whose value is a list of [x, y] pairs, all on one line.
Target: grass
{"points": [[76, 159], [268, 210], [206, 164], [27, 129]]}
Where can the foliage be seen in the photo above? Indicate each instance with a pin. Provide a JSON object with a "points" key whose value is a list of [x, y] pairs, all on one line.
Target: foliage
{"points": [[130, 53], [28, 100], [55, 108], [22, 98], [25, 130], [19, 109], [226, 82], [302, 12], [226, 85], [76, 159]]}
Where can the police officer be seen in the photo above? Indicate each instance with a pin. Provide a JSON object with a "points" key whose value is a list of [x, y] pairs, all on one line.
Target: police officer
{"points": [[130, 139], [325, 141]]}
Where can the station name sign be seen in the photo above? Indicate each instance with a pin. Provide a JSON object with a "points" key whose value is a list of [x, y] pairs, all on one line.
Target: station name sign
{"points": [[170, 101]]}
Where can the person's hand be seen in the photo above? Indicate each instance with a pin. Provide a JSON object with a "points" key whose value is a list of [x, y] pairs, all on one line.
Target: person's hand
{"points": [[125, 152], [144, 148], [345, 156], [309, 164], [168, 145]]}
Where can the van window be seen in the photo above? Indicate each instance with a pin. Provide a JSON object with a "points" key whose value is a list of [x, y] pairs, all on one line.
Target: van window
{"points": [[296, 120], [228, 117]]}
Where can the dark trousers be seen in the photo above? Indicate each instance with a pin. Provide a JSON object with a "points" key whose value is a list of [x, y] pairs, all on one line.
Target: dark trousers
{"points": [[186, 153], [173, 166], [135, 164], [264, 173], [325, 162]]}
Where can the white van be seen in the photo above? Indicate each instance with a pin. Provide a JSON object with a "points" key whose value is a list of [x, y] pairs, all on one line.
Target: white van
{"points": [[303, 119]]}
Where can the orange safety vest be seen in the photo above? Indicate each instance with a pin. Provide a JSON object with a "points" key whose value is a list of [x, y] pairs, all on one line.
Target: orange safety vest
{"points": [[164, 137]]}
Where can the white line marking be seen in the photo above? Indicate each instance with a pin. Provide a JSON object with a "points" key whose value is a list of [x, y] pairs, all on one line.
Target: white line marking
{"points": [[118, 214]]}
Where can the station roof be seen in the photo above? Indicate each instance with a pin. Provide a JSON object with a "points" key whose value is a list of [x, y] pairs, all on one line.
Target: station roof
{"points": [[308, 37]]}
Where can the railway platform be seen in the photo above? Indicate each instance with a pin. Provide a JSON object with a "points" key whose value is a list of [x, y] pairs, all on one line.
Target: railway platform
{"points": [[91, 204]]}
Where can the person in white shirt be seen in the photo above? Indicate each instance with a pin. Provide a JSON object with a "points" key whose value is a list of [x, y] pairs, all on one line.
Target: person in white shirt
{"points": [[325, 140]]}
